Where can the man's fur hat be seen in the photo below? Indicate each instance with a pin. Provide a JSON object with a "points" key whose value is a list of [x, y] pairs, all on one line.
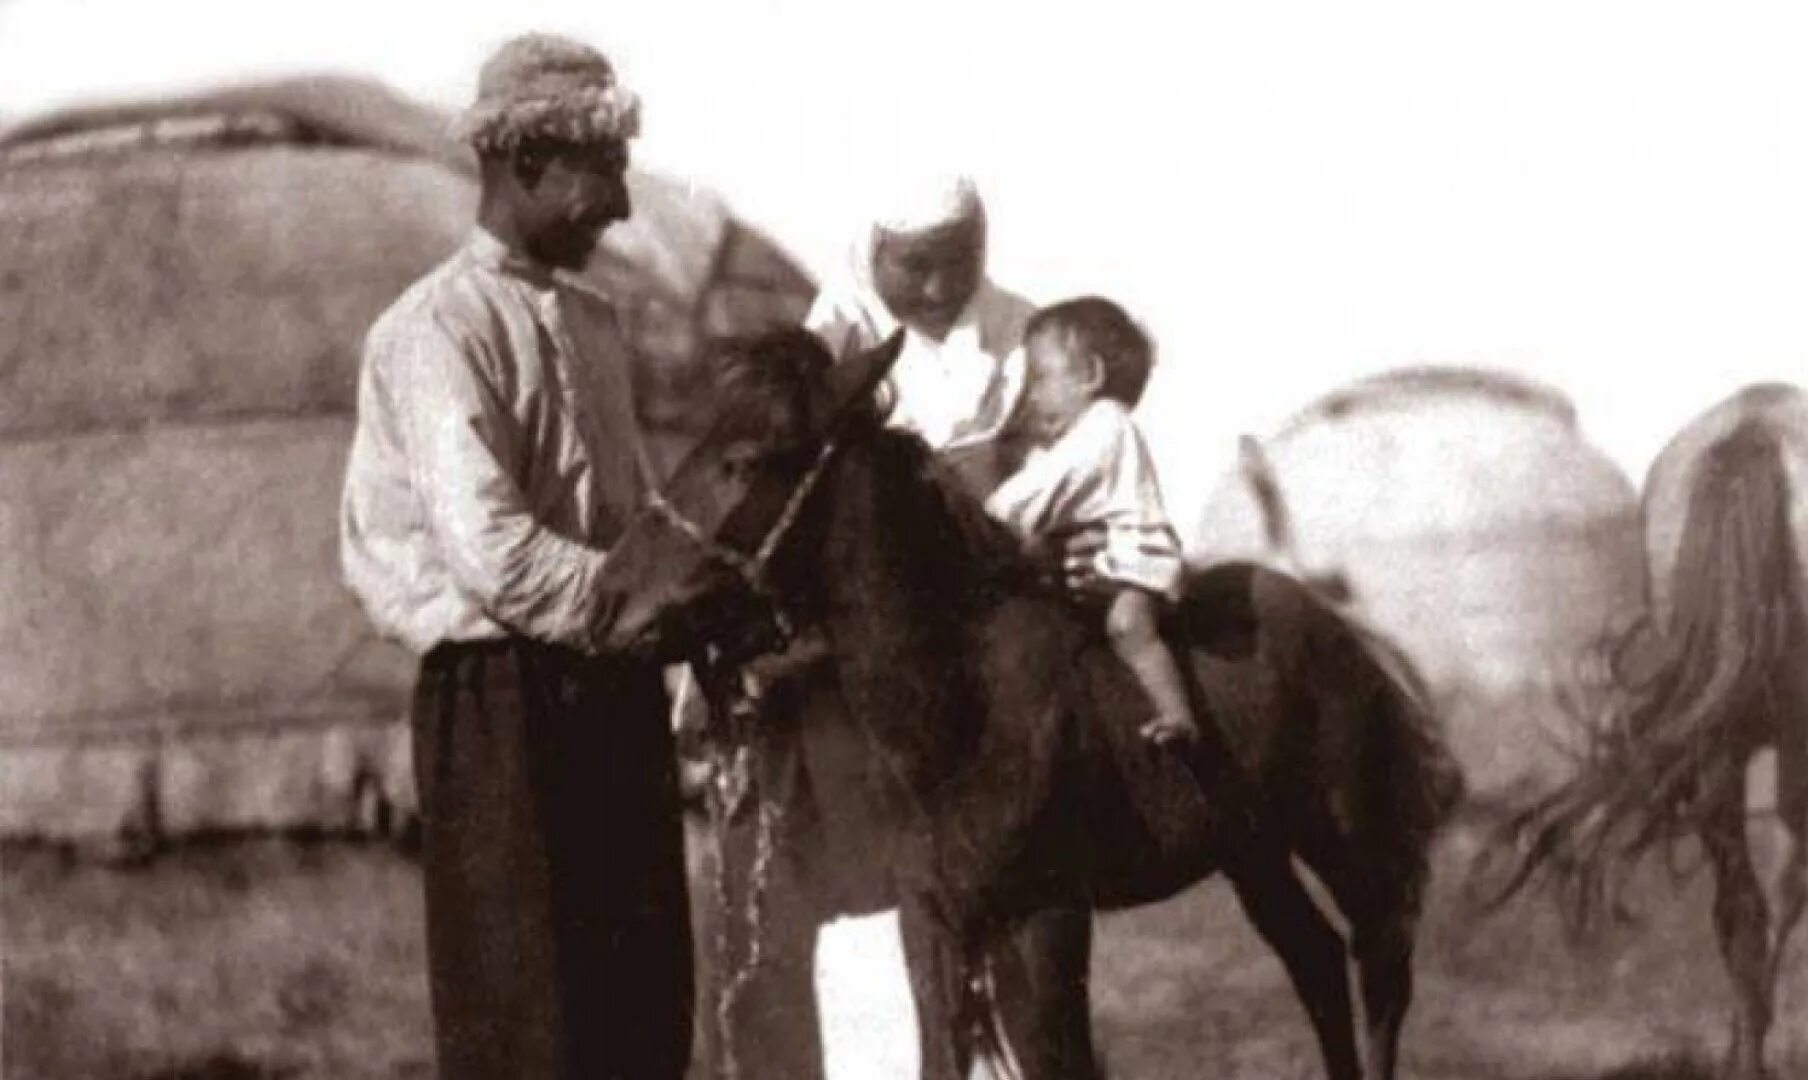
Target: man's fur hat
{"points": [[543, 86]]}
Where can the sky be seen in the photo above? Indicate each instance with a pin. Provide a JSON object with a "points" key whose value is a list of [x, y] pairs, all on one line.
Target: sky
{"points": [[1608, 197]]}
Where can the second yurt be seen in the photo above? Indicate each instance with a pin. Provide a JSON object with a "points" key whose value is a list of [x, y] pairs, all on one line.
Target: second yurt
{"points": [[1471, 521]]}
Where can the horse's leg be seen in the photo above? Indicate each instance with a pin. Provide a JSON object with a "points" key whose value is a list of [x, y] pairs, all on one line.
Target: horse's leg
{"points": [[1791, 886], [1384, 952], [938, 973], [1792, 897], [1377, 874], [1382, 895], [1310, 948], [1742, 923], [1042, 992]]}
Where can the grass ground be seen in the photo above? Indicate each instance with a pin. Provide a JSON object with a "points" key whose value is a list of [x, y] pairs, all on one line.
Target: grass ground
{"points": [[273, 959]]}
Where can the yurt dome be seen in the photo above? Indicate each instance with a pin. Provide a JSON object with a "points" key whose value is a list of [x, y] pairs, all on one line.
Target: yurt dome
{"points": [[1470, 518], [183, 293]]}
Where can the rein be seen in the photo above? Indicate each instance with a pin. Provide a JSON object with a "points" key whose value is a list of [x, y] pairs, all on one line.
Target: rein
{"points": [[731, 784], [725, 793]]}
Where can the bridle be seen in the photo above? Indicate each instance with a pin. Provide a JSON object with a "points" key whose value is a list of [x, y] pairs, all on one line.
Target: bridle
{"points": [[752, 567], [735, 762]]}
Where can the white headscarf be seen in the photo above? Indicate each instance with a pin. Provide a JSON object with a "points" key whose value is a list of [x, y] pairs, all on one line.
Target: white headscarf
{"points": [[851, 310], [918, 203], [907, 202]]}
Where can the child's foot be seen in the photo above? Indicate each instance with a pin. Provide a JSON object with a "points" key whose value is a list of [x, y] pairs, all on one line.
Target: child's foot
{"points": [[1171, 730]]}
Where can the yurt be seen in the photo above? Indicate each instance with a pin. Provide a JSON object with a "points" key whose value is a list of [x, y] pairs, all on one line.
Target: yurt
{"points": [[184, 288], [1471, 522]]}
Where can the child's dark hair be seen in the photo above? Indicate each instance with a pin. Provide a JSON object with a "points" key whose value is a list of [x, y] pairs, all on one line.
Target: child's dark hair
{"points": [[1107, 330]]}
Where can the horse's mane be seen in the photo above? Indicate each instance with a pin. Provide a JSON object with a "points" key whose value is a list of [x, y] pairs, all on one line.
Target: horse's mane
{"points": [[913, 559], [762, 390], [1684, 696], [977, 539], [916, 556]]}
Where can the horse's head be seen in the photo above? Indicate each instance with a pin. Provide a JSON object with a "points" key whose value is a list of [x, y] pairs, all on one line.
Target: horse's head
{"points": [[693, 566]]}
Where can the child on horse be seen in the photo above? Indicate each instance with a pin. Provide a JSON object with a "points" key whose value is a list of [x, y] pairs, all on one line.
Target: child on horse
{"points": [[1087, 365]]}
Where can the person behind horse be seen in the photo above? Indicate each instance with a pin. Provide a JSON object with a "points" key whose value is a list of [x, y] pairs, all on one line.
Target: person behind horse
{"points": [[918, 265], [1088, 363], [921, 268], [496, 459]]}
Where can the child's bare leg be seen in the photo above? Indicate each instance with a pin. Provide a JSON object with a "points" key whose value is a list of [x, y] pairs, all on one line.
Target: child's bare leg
{"points": [[1132, 626]]}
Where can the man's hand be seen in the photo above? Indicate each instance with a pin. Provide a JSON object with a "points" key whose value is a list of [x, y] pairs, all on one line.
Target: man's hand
{"points": [[602, 621], [975, 466], [803, 651]]}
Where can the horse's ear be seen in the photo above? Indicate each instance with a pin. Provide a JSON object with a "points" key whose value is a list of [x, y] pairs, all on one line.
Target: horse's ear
{"points": [[852, 383]]}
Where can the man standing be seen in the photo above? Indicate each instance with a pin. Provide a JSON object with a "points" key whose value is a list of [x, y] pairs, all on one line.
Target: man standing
{"points": [[496, 459]]}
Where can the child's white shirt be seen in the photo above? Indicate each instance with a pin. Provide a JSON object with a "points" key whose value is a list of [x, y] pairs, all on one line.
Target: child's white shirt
{"points": [[1099, 471]]}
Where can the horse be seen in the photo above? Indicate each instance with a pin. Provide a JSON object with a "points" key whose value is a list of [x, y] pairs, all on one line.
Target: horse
{"points": [[1005, 778], [1709, 676]]}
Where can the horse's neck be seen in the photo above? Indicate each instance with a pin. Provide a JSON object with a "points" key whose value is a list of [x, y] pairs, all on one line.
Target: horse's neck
{"points": [[901, 595]]}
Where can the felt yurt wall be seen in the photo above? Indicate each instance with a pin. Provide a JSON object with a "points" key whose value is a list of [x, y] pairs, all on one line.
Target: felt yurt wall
{"points": [[183, 295], [1475, 526]]}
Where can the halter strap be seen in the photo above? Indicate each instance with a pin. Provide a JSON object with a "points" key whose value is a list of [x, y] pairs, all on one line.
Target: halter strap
{"points": [[751, 567]]}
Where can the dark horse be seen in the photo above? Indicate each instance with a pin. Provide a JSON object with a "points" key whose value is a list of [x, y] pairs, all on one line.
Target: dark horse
{"points": [[1714, 673], [1004, 779]]}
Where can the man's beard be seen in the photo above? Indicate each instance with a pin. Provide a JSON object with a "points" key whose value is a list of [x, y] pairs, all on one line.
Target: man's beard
{"points": [[568, 247]]}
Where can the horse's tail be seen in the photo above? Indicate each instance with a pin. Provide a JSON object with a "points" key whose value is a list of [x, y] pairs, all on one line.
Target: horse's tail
{"points": [[1409, 766], [1394, 782], [1668, 746]]}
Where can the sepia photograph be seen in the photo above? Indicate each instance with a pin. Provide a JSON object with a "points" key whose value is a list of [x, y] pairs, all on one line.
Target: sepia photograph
{"points": [[903, 540]]}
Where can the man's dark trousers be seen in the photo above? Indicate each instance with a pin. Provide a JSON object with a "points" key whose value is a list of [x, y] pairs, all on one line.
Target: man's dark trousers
{"points": [[558, 932]]}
